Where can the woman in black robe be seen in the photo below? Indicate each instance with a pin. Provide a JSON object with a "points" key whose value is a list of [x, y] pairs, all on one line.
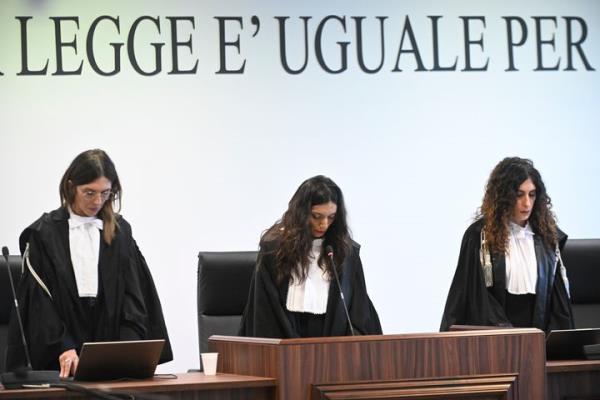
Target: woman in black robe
{"points": [[509, 269], [84, 277], [294, 291]]}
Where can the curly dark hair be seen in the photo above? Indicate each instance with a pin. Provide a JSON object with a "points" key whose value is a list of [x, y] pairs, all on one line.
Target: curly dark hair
{"points": [[500, 199], [293, 233]]}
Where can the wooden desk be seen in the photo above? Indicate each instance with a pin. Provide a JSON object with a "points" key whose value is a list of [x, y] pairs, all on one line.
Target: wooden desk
{"points": [[441, 366], [195, 386], [575, 380]]}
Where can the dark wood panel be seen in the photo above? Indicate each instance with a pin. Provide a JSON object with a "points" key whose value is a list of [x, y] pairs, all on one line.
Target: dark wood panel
{"points": [[257, 359], [222, 394], [195, 386], [474, 388], [574, 385], [572, 366], [298, 363]]}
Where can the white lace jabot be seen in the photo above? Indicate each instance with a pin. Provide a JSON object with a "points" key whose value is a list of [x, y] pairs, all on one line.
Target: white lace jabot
{"points": [[84, 243], [312, 294], [521, 263]]}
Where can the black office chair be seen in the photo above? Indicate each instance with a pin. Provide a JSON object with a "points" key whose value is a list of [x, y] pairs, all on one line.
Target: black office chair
{"points": [[582, 260], [7, 304], [223, 286]]}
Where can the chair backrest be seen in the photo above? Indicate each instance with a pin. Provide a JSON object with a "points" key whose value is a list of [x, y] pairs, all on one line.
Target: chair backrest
{"points": [[223, 286], [582, 260], [6, 301]]}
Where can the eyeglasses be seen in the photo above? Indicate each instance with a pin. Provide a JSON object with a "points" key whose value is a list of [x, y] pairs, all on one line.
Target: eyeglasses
{"points": [[91, 195]]}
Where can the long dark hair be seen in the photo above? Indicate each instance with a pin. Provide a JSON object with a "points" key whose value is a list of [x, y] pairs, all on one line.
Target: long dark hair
{"points": [[500, 199], [294, 234], [85, 168]]}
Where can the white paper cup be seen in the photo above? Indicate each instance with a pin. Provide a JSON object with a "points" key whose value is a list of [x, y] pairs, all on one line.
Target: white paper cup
{"points": [[209, 363]]}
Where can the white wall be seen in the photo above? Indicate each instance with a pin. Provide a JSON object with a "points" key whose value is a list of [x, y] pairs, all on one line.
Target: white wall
{"points": [[208, 161]]}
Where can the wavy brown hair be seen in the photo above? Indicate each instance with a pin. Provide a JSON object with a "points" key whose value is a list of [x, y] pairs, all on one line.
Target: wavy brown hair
{"points": [[500, 199], [294, 235], [85, 168]]}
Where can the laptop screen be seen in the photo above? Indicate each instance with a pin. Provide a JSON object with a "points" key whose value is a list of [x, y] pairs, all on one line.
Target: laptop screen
{"points": [[118, 360], [568, 344]]}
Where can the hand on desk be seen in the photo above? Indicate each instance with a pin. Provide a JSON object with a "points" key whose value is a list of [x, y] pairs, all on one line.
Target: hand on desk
{"points": [[68, 363]]}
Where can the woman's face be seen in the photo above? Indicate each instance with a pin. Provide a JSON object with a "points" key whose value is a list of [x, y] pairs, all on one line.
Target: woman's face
{"points": [[526, 195], [90, 197], [321, 218]]}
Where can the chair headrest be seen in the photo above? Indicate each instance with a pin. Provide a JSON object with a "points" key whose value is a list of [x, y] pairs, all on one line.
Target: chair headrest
{"points": [[582, 260], [224, 281]]}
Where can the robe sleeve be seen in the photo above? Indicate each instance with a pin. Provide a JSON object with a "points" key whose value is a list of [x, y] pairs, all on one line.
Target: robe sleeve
{"points": [[264, 315], [561, 313], [45, 332], [141, 315], [469, 301], [362, 312], [133, 322]]}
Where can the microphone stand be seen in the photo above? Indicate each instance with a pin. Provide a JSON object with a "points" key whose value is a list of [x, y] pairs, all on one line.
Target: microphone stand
{"points": [[25, 377]]}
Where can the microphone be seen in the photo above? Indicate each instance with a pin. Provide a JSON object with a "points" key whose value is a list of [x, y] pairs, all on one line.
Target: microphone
{"points": [[24, 377], [329, 251]]}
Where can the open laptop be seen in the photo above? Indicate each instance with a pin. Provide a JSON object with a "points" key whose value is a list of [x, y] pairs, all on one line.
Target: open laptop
{"points": [[569, 344], [136, 359]]}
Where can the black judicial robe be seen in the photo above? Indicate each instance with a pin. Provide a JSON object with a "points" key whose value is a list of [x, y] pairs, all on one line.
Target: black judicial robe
{"points": [[127, 306], [470, 302], [266, 314]]}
